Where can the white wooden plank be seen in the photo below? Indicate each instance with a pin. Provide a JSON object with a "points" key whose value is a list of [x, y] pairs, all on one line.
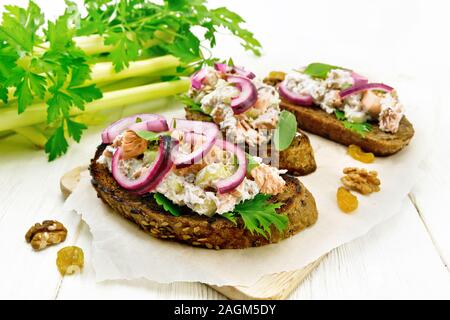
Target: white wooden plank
{"points": [[84, 285], [396, 260]]}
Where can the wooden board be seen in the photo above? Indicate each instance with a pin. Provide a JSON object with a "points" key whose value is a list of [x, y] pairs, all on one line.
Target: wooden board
{"points": [[270, 287]]}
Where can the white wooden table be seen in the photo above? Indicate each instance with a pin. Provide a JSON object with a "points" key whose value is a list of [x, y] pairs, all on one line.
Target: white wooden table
{"points": [[405, 257]]}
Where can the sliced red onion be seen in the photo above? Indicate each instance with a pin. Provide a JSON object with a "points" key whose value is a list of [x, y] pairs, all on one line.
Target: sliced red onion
{"points": [[208, 129], [304, 100], [248, 96], [224, 68], [359, 79], [368, 86], [146, 177], [168, 145], [110, 133], [152, 125], [232, 182], [245, 73], [197, 78]]}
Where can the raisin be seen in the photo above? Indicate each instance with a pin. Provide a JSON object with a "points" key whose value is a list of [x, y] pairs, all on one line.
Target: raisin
{"points": [[356, 153], [70, 260], [347, 202]]}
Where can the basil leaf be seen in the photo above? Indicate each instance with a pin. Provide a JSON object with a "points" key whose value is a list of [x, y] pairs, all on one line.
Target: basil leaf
{"points": [[285, 131], [168, 205], [319, 70]]}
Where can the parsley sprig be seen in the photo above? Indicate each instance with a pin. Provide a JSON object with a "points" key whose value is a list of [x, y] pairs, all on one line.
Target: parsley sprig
{"points": [[48, 62], [258, 215]]}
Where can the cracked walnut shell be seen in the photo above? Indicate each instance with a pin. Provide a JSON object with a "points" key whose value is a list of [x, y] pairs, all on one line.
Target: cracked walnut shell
{"points": [[361, 180], [45, 234]]}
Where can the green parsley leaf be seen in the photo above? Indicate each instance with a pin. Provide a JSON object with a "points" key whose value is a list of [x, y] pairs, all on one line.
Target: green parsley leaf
{"points": [[125, 49], [230, 216], [168, 205], [75, 129], [57, 145], [259, 215], [285, 130], [191, 104], [319, 70], [360, 128], [150, 136]]}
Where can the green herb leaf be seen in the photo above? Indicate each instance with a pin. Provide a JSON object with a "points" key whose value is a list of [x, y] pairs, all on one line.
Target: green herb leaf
{"points": [[191, 104], [230, 216], [75, 129], [251, 163], [168, 205], [285, 131], [57, 145], [150, 136], [259, 215], [360, 128], [319, 70]]}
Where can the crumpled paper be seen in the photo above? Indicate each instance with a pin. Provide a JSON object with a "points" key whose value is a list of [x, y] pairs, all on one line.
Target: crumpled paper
{"points": [[120, 250]]}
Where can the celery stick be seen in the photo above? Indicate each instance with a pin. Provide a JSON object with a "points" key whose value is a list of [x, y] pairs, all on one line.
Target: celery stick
{"points": [[37, 113], [33, 135], [104, 71]]}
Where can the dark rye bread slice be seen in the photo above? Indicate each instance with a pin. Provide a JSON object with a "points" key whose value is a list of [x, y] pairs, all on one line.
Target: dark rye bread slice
{"points": [[298, 159], [196, 230], [380, 143]]}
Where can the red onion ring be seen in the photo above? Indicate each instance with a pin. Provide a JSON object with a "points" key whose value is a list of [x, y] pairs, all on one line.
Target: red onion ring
{"points": [[208, 129], [248, 96], [224, 68], [232, 182], [197, 78], [169, 145], [358, 79], [153, 125], [146, 177], [116, 128], [304, 100], [368, 86]]}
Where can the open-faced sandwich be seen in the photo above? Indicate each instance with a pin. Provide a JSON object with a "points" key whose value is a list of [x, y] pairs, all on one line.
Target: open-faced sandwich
{"points": [[184, 183], [341, 105], [248, 112]]}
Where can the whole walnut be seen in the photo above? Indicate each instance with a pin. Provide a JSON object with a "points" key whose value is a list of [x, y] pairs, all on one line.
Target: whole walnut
{"points": [[47, 233]]}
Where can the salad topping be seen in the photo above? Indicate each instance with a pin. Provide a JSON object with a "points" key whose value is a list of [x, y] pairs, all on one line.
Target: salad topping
{"points": [[245, 108], [338, 90], [214, 175]]}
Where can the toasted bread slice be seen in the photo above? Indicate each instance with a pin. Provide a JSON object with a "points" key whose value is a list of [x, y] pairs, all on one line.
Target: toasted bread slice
{"points": [[380, 143], [298, 159], [190, 228]]}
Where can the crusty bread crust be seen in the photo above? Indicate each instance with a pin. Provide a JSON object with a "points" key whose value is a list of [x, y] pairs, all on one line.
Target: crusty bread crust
{"points": [[196, 230], [298, 159], [317, 121]]}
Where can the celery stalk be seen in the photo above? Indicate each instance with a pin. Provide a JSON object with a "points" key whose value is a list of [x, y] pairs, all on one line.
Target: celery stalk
{"points": [[104, 71], [33, 135], [37, 113]]}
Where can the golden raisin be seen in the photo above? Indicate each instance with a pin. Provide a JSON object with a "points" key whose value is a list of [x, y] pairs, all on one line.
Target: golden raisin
{"points": [[356, 153], [347, 202], [70, 260]]}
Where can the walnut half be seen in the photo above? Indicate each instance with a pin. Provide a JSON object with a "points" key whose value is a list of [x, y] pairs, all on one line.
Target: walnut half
{"points": [[361, 180], [48, 233]]}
